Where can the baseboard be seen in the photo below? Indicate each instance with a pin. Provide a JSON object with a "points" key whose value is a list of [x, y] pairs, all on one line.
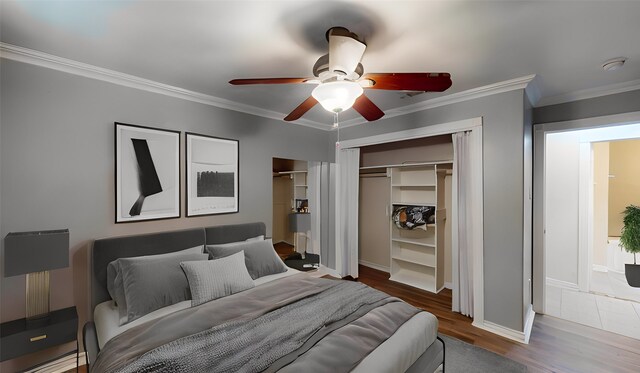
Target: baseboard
{"points": [[512, 334], [61, 365], [528, 323], [562, 284], [448, 285], [374, 266]]}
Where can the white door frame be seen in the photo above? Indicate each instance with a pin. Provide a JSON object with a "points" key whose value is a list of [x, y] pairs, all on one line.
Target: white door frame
{"points": [[426, 131], [539, 221]]}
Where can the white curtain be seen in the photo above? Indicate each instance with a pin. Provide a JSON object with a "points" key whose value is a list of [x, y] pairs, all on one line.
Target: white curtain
{"points": [[467, 223], [313, 182], [347, 211]]}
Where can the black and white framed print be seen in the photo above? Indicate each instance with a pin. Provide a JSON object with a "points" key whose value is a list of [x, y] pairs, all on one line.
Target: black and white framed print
{"points": [[147, 173], [212, 175]]}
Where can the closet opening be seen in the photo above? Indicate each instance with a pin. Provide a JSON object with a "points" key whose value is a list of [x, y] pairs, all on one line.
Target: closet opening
{"points": [[415, 176], [405, 195], [291, 213]]}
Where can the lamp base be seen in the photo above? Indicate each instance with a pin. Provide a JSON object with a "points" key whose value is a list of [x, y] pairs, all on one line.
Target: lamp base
{"points": [[37, 295]]}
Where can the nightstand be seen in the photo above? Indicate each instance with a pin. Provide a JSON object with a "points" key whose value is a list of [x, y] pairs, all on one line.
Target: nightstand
{"points": [[21, 337]]}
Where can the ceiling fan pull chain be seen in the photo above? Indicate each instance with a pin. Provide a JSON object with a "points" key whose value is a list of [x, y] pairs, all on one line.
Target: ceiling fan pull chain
{"points": [[336, 124]]}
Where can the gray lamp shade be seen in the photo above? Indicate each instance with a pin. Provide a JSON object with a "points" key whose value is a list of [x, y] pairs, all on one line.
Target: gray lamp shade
{"points": [[299, 222], [28, 252]]}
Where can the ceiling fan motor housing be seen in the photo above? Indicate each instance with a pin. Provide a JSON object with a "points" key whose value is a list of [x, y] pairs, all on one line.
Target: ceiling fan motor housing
{"points": [[345, 51]]}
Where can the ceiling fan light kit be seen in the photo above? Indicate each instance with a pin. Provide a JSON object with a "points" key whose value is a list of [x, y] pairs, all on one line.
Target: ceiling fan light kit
{"points": [[337, 96], [341, 79]]}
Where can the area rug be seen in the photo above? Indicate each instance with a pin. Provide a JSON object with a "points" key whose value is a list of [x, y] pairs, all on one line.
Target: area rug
{"points": [[464, 357]]}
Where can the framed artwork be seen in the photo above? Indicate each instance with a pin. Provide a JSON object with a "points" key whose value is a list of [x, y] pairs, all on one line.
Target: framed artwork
{"points": [[147, 173], [212, 175]]}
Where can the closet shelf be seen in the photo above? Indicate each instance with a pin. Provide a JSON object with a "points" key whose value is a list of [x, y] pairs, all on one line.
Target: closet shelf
{"points": [[415, 185], [414, 203], [424, 264], [413, 242]]}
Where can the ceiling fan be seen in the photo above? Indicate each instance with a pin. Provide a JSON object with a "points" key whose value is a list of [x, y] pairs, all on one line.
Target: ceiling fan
{"points": [[341, 80]]}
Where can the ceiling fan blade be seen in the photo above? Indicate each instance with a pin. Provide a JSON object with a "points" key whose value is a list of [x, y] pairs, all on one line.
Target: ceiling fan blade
{"points": [[268, 81], [427, 82], [367, 108], [298, 112]]}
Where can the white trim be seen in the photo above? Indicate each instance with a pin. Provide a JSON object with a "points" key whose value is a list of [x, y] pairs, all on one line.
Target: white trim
{"points": [[374, 266], [454, 98], [426, 131], [562, 284], [528, 323], [584, 94], [532, 91], [448, 285], [30, 56], [586, 123], [25, 55], [585, 214], [503, 331], [61, 365]]}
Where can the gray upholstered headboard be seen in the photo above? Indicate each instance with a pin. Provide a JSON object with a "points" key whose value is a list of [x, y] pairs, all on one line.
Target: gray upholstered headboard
{"points": [[234, 232], [106, 250]]}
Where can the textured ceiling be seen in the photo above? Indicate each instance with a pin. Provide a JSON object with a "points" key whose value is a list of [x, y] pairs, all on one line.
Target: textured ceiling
{"points": [[201, 45]]}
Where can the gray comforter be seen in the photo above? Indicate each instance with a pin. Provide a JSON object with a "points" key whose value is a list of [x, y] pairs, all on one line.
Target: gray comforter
{"points": [[268, 328]]}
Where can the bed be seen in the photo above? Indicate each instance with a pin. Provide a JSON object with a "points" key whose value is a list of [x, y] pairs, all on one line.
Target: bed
{"points": [[287, 321]]}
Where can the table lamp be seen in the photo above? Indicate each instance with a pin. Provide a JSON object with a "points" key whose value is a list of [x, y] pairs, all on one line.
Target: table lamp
{"points": [[34, 254]]}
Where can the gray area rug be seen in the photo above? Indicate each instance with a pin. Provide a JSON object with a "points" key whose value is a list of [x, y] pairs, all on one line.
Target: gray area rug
{"points": [[464, 357]]}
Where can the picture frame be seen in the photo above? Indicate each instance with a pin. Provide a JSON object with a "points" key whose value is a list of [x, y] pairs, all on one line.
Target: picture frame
{"points": [[212, 175], [147, 173]]}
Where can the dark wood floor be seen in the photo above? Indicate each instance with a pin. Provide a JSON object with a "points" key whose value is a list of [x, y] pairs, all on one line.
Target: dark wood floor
{"points": [[555, 345], [284, 249]]}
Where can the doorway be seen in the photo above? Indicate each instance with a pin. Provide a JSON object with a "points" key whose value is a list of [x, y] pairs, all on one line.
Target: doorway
{"points": [[290, 202], [572, 277]]}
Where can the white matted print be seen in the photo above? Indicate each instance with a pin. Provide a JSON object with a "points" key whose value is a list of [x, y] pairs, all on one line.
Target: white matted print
{"points": [[147, 173], [212, 175]]}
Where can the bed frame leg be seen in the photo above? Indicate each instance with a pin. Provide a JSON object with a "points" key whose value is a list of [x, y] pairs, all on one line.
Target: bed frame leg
{"points": [[443, 353]]}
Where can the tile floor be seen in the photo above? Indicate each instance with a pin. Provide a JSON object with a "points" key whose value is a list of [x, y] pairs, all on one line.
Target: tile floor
{"points": [[597, 310]]}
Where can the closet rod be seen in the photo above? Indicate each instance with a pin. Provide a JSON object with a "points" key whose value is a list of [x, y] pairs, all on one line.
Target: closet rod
{"points": [[374, 174]]}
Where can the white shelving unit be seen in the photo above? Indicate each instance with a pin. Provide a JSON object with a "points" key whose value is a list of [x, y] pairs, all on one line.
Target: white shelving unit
{"points": [[299, 184], [417, 256]]}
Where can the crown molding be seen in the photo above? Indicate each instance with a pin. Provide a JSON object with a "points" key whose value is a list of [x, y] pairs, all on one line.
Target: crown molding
{"points": [[30, 56], [471, 94], [584, 94]]}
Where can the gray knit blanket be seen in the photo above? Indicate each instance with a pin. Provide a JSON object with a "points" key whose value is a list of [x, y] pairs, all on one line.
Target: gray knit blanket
{"points": [[269, 331]]}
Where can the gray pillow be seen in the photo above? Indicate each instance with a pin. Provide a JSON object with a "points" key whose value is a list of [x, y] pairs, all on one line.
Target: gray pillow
{"points": [[151, 283], [213, 279], [115, 286], [259, 256]]}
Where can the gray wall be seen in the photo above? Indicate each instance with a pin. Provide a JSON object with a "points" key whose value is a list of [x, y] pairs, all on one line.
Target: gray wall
{"points": [[503, 155], [594, 107], [57, 166]]}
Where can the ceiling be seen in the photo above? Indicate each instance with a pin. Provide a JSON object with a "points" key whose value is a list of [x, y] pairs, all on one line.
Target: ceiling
{"points": [[201, 45]]}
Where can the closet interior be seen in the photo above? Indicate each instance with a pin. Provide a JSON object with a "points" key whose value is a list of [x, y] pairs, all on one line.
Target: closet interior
{"points": [[405, 197]]}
